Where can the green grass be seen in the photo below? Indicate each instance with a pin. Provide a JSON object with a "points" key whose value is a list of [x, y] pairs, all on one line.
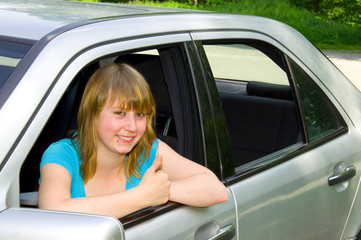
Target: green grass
{"points": [[324, 34]]}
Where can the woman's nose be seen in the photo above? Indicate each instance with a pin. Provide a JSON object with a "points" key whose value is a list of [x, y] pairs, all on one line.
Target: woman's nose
{"points": [[130, 122]]}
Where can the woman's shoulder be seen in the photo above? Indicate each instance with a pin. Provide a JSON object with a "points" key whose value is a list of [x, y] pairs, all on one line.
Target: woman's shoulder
{"points": [[62, 152], [63, 146], [64, 143]]}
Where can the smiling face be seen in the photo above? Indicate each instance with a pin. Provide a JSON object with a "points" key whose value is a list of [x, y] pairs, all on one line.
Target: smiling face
{"points": [[119, 130], [109, 119]]}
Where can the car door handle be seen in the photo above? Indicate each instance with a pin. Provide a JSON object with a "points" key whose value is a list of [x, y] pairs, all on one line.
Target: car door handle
{"points": [[341, 173], [224, 233]]}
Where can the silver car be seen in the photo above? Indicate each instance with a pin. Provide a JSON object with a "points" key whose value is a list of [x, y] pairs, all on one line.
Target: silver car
{"points": [[248, 97]]}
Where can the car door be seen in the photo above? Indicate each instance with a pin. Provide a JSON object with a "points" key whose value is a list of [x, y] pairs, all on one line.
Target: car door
{"points": [[185, 222], [290, 139], [53, 114]]}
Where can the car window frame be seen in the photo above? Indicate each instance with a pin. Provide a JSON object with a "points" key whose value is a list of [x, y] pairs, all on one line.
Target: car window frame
{"points": [[215, 139], [279, 157], [269, 159]]}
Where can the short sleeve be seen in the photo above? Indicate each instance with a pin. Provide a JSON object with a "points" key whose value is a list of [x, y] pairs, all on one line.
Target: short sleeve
{"points": [[64, 153]]}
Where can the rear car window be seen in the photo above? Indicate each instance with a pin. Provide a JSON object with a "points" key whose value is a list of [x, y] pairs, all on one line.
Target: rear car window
{"points": [[321, 118], [11, 54]]}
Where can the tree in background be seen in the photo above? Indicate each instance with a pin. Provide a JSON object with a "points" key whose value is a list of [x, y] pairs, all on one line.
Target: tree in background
{"points": [[348, 11], [341, 11]]}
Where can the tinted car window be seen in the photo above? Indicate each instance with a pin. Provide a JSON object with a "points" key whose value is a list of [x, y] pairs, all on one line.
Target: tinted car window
{"points": [[10, 55], [320, 117], [257, 99]]}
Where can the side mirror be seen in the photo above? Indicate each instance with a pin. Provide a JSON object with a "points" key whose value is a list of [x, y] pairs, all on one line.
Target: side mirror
{"points": [[27, 223]]}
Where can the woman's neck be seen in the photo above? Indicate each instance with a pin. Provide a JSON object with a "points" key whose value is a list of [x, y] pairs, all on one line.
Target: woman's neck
{"points": [[109, 176], [108, 161]]}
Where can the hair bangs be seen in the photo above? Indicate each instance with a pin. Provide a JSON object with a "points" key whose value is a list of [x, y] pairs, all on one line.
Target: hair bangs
{"points": [[131, 97]]}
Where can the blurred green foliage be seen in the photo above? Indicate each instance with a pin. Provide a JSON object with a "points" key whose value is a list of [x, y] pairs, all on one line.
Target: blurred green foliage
{"points": [[329, 24], [341, 11]]}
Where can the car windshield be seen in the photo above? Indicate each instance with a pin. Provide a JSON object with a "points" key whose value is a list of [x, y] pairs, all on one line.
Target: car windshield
{"points": [[10, 55]]}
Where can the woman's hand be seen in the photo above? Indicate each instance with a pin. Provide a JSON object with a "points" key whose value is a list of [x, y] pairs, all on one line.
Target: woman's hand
{"points": [[155, 184]]}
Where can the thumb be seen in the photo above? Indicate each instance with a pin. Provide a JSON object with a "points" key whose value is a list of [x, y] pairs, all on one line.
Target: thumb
{"points": [[156, 163]]}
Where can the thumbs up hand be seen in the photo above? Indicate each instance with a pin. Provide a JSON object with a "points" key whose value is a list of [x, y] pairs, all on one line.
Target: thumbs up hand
{"points": [[155, 184]]}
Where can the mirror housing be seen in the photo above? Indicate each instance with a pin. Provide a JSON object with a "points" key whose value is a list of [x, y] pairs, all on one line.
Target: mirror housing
{"points": [[28, 223]]}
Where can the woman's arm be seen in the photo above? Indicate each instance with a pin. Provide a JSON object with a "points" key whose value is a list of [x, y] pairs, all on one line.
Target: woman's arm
{"points": [[54, 193], [191, 183]]}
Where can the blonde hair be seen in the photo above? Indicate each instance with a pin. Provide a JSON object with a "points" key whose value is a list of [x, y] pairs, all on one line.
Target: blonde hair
{"points": [[115, 84]]}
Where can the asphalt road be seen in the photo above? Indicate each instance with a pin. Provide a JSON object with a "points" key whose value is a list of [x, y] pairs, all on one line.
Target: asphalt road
{"points": [[349, 62]]}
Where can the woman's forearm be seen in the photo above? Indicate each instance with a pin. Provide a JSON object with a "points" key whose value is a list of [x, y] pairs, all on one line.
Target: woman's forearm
{"points": [[199, 190], [117, 205]]}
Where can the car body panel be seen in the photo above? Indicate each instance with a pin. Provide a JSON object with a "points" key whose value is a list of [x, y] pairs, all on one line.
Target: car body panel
{"points": [[184, 222], [299, 201]]}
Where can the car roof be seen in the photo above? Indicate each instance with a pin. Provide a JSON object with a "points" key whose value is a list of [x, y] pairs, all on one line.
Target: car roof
{"points": [[33, 19], [38, 20], [43, 21]]}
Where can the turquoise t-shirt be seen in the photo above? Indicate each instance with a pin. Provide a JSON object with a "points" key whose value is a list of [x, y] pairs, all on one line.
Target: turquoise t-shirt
{"points": [[66, 154]]}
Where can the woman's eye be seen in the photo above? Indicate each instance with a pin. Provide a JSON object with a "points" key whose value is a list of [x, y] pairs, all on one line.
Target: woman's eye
{"points": [[120, 113], [141, 115]]}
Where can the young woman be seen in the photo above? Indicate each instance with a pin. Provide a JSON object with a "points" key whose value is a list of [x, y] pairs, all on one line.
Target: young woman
{"points": [[114, 164]]}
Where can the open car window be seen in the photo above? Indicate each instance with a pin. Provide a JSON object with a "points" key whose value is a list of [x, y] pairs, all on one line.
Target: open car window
{"points": [[241, 62], [163, 69]]}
